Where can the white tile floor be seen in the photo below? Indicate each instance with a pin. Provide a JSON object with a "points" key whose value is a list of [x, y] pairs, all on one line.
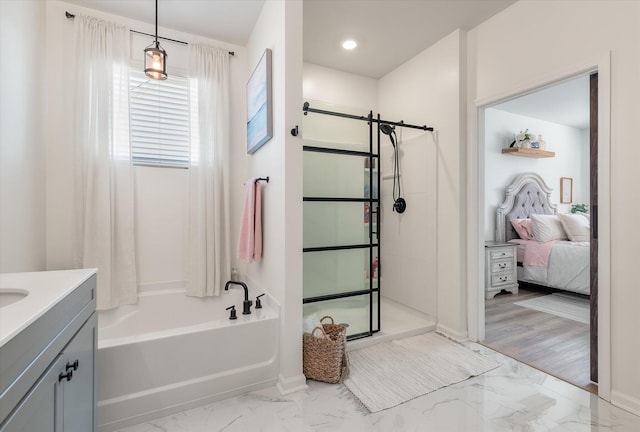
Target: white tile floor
{"points": [[513, 397]]}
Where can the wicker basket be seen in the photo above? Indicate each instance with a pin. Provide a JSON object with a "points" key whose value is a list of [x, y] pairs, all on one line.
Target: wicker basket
{"points": [[325, 358]]}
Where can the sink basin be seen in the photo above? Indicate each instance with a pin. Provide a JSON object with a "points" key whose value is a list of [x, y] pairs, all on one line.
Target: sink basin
{"points": [[11, 295]]}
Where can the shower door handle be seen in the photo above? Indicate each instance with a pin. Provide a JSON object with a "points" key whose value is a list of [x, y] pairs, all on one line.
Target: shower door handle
{"points": [[377, 222]]}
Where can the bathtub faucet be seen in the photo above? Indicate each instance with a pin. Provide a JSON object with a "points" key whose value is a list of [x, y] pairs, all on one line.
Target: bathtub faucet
{"points": [[246, 304]]}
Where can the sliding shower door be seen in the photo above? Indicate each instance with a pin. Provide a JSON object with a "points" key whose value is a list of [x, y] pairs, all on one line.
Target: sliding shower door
{"points": [[341, 208]]}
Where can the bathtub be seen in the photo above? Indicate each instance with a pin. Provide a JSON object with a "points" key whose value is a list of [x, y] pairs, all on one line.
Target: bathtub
{"points": [[171, 352]]}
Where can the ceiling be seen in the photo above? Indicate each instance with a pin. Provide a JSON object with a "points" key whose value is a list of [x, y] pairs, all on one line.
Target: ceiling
{"points": [[225, 20], [388, 32], [565, 103]]}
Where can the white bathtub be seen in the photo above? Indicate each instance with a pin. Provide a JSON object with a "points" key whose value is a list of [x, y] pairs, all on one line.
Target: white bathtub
{"points": [[171, 352]]}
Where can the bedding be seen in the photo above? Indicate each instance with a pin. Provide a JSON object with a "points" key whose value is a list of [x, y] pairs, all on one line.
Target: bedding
{"points": [[557, 264], [552, 250]]}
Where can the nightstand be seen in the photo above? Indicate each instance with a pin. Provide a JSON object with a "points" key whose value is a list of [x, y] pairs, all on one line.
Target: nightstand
{"points": [[500, 268]]}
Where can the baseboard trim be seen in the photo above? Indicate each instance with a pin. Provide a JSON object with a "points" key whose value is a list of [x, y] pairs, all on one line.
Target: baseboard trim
{"points": [[452, 334], [626, 402], [291, 384]]}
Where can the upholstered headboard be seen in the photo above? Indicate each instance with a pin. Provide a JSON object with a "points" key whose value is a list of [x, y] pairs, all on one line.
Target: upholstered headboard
{"points": [[528, 194]]}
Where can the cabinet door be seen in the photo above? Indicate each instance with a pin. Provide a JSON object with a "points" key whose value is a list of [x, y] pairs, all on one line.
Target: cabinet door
{"points": [[40, 408], [79, 392]]}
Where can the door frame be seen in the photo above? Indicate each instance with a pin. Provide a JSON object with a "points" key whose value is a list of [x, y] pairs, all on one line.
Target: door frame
{"points": [[475, 206]]}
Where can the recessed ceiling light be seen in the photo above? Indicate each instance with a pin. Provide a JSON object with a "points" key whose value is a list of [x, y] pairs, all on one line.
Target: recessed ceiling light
{"points": [[349, 44]]}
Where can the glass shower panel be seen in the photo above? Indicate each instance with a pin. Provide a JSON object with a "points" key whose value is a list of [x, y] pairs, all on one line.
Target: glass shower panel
{"points": [[340, 203], [333, 175], [355, 311], [336, 223], [336, 271], [336, 132]]}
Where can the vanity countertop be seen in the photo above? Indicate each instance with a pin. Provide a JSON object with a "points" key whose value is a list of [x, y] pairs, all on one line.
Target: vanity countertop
{"points": [[44, 290]]}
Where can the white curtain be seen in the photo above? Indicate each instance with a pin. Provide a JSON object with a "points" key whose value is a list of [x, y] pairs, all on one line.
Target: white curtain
{"points": [[103, 171], [209, 245]]}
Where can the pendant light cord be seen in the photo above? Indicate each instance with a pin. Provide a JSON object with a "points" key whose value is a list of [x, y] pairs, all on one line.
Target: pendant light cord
{"points": [[156, 23]]}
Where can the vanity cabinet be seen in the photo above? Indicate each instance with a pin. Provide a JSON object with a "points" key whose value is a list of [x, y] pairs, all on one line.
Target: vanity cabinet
{"points": [[38, 411], [53, 386]]}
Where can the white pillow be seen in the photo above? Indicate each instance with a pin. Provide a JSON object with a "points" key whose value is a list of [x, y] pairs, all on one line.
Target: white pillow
{"points": [[576, 226], [547, 228]]}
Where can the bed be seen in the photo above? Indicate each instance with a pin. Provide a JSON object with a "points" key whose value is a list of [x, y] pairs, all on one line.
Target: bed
{"points": [[553, 249]]}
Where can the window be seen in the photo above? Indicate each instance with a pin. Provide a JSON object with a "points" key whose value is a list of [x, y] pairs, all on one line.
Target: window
{"points": [[159, 120]]}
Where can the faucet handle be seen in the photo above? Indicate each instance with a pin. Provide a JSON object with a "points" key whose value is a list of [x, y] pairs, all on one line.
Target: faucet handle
{"points": [[232, 314], [258, 302]]}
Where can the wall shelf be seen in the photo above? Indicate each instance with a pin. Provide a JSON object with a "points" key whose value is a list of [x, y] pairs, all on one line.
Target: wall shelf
{"points": [[527, 152]]}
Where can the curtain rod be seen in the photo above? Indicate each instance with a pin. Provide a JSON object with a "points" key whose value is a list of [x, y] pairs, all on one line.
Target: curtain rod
{"points": [[72, 16], [306, 108]]}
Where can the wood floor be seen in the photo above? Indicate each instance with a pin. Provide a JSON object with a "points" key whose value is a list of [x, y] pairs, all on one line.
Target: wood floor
{"points": [[547, 342]]}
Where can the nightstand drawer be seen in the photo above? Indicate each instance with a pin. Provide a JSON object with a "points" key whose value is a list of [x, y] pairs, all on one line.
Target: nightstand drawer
{"points": [[499, 266], [502, 253], [502, 279]]}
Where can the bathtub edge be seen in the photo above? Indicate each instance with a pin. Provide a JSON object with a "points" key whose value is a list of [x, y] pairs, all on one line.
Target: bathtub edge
{"points": [[183, 406]]}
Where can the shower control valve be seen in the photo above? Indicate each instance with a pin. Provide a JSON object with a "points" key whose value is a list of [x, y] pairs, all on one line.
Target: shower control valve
{"points": [[232, 313]]}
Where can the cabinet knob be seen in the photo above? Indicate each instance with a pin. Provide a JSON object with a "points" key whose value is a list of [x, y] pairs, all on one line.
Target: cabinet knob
{"points": [[73, 365], [68, 376]]}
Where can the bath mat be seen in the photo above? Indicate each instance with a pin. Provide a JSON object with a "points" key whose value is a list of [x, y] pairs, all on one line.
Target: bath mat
{"points": [[390, 373], [562, 305]]}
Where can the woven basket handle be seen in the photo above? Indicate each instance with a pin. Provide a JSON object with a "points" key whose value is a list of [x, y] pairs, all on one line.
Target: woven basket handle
{"points": [[326, 316], [318, 328]]}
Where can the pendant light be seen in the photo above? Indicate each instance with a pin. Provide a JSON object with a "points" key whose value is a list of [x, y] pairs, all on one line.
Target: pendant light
{"points": [[155, 57]]}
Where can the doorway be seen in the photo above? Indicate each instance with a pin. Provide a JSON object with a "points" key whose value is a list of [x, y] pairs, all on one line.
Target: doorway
{"points": [[555, 344]]}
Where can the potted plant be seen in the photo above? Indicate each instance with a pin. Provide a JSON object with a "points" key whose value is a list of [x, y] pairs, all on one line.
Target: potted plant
{"points": [[579, 208], [524, 139]]}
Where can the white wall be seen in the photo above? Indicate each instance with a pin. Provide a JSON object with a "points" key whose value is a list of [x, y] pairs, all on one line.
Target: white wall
{"points": [[161, 193], [340, 88], [569, 36], [22, 136], [572, 153], [279, 27], [422, 249]]}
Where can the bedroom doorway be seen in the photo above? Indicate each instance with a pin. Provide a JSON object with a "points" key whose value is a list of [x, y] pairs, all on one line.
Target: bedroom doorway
{"points": [[564, 347]]}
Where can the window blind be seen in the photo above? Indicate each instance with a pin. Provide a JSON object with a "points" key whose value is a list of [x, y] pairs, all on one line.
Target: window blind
{"points": [[159, 120]]}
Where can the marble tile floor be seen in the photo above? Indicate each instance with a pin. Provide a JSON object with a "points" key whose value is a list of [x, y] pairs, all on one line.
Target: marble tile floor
{"points": [[513, 397]]}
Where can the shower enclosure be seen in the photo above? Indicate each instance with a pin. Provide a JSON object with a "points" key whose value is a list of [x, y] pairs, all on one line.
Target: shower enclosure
{"points": [[341, 217]]}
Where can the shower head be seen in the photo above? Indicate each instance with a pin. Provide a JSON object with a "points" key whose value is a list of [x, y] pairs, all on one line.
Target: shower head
{"points": [[386, 128]]}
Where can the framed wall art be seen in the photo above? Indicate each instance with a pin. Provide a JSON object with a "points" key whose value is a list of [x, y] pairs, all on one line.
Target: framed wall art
{"points": [[259, 107], [566, 190]]}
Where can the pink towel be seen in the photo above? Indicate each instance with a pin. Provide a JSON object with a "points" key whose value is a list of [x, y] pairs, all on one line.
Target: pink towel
{"points": [[250, 242]]}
